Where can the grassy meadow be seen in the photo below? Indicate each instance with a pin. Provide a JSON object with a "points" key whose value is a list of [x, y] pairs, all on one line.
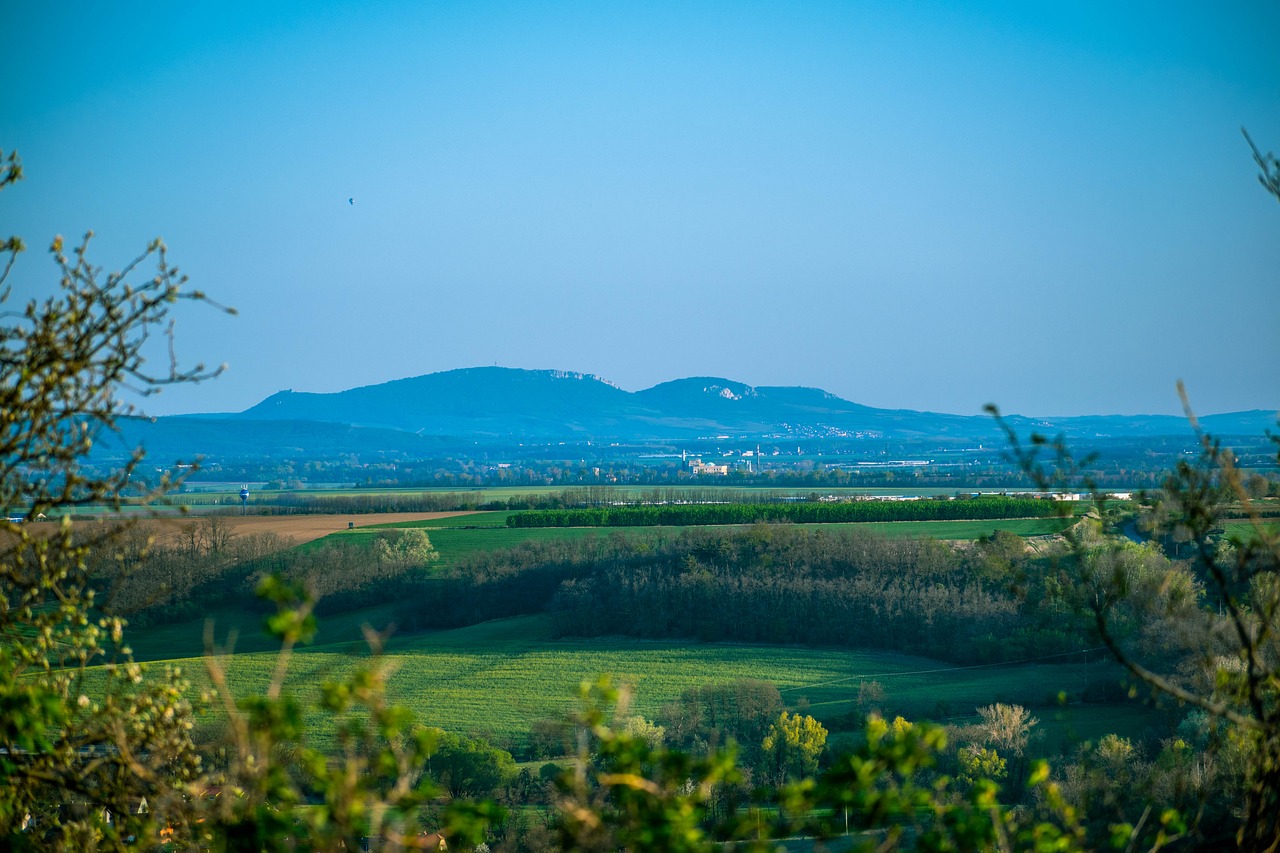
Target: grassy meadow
{"points": [[1244, 530], [496, 679]]}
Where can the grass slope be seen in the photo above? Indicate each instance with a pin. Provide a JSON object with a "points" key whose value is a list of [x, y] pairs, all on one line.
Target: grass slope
{"points": [[497, 678]]}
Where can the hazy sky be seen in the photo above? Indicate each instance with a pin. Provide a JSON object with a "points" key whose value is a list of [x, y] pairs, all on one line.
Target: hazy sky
{"points": [[917, 205]]}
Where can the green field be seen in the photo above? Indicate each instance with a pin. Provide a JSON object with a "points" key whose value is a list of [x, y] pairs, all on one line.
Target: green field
{"points": [[497, 678], [462, 536], [455, 544], [242, 629], [1244, 530], [470, 520], [958, 530]]}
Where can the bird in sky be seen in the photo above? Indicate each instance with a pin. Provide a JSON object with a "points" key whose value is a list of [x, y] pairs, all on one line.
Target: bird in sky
{"points": [[351, 201]]}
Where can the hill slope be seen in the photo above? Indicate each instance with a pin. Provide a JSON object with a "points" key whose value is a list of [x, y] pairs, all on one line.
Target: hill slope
{"points": [[496, 402], [423, 416]]}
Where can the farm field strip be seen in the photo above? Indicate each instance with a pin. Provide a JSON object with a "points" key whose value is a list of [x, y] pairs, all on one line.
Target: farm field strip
{"points": [[497, 678], [967, 529], [1244, 529], [456, 543], [479, 518], [457, 538]]}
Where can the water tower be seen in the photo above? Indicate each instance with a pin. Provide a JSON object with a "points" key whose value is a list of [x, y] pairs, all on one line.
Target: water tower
{"points": [[244, 499]]}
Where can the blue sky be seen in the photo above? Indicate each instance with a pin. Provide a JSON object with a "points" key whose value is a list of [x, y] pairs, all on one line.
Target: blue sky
{"points": [[915, 205]]}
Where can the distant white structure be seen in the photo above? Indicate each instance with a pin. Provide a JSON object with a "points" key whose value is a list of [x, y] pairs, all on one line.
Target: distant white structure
{"points": [[697, 466]]}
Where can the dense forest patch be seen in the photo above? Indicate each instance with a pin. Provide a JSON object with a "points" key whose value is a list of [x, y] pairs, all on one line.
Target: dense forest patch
{"points": [[772, 584]]}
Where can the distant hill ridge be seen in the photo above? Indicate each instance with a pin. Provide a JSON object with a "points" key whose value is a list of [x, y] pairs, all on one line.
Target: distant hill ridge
{"points": [[501, 402]]}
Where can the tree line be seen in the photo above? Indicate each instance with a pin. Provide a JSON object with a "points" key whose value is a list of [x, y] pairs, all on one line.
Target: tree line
{"points": [[807, 512], [371, 502]]}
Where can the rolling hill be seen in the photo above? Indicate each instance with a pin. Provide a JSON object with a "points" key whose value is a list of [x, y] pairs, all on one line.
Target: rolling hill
{"points": [[493, 404]]}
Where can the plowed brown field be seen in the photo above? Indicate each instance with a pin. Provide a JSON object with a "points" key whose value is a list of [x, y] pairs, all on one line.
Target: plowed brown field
{"points": [[304, 528], [299, 528]]}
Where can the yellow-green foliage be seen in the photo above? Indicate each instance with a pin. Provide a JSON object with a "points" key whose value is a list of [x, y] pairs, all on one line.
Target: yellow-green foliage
{"points": [[978, 762], [793, 745]]}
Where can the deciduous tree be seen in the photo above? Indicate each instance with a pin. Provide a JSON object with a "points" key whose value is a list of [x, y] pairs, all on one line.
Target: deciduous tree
{"points": [[82, 753], [792, 747], [72, 754]]}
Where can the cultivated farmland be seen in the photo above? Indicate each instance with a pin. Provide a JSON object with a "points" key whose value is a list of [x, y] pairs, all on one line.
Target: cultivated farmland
{"points": [[456, 536], [498, 678]]}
